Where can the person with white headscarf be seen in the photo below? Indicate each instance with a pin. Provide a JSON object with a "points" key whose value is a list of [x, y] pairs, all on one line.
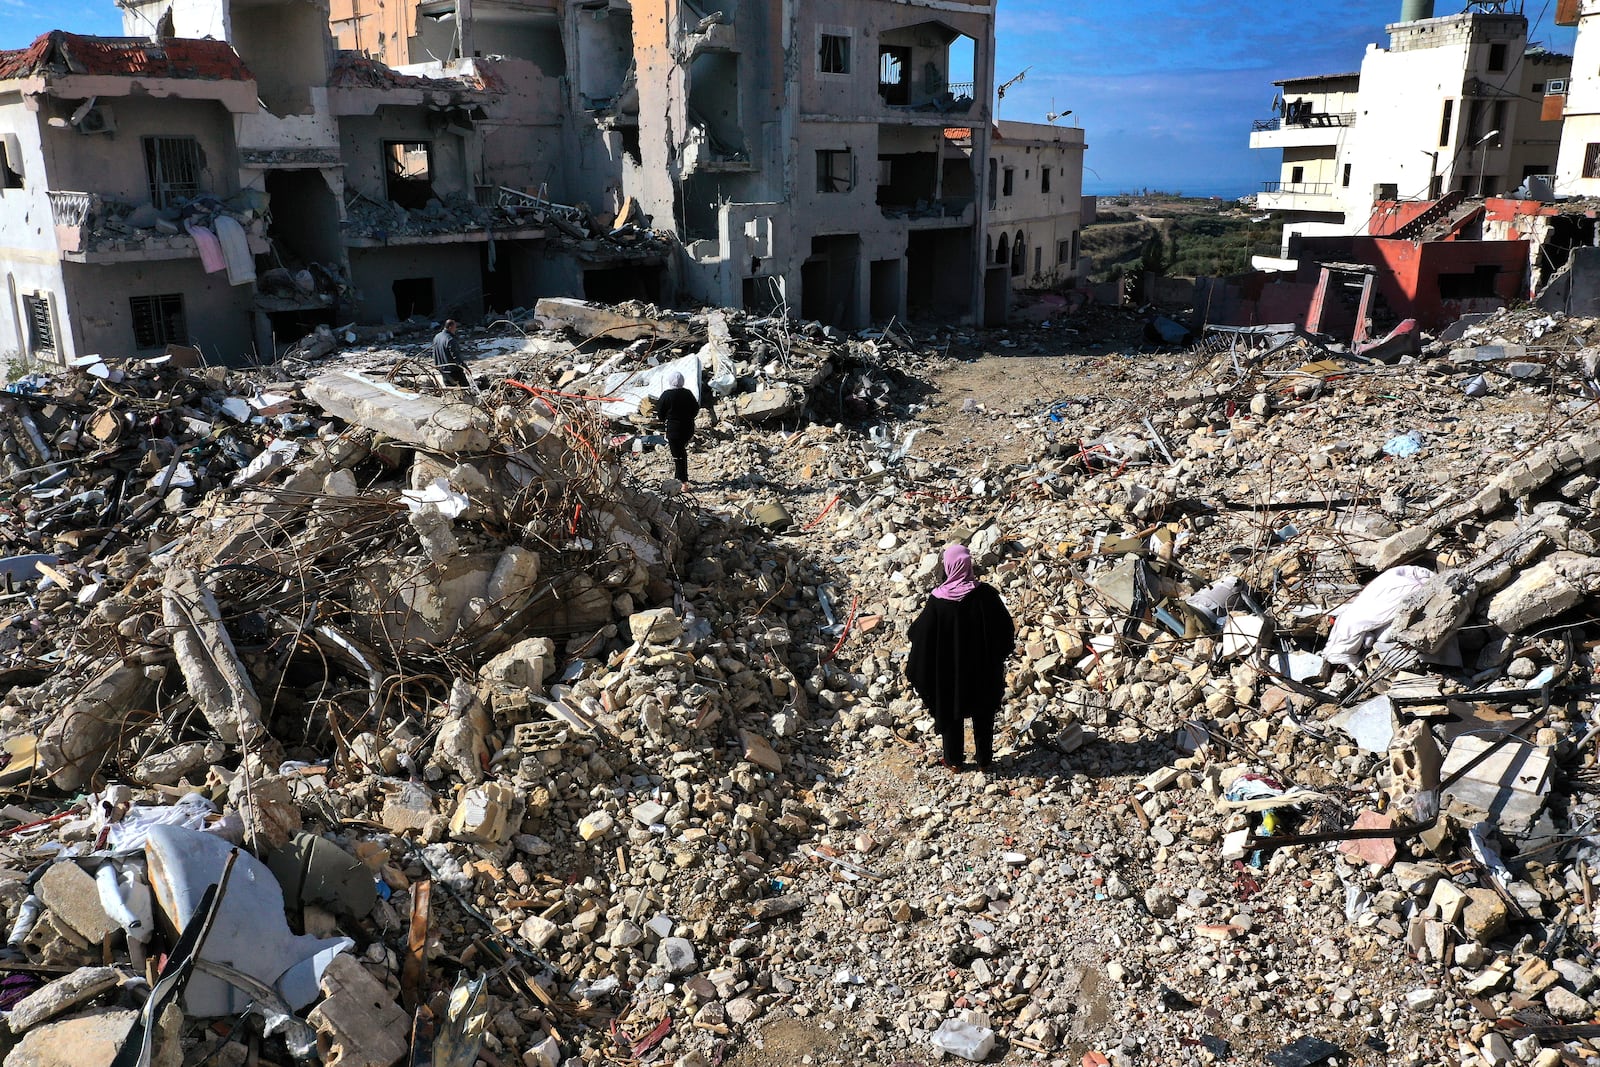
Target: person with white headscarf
{"points": [[678, 408]]}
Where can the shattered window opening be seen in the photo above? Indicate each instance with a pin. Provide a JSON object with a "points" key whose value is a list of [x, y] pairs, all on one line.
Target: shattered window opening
{"points": [[1010, 181], [41, 324], [408, 172], [835, 170], [1044, 180], [1444, 124], [173, 167], [158, 321], [834, 54], [10, 163], [894, 75], [1497, 56]]}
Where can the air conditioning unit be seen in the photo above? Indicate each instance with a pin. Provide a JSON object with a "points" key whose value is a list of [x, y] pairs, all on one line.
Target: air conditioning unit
{"points": [[1555, 87], [97, 120]]}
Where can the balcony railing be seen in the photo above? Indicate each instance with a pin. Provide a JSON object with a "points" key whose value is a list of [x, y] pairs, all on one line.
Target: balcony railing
{"points": [[1299, 188], [1312, 121], [72, 209]]}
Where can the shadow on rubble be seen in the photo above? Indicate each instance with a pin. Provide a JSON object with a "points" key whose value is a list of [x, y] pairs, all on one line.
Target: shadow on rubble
{"points": [[1099, 758]]}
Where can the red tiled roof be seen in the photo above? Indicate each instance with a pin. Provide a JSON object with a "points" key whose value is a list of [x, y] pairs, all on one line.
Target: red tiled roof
{"points": [[62, 53]]}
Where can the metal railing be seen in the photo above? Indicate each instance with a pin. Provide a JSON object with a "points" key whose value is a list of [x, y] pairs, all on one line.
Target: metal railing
{"points": [[1299, 188], [72, 209], [1313, 121]]}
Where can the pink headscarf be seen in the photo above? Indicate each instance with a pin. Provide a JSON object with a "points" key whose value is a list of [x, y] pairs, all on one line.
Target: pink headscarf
{"points": [[958, 579]]}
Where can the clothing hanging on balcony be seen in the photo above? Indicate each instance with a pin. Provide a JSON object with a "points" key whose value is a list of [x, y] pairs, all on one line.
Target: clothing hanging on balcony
{"points": [[236, 250], [211, 257]]}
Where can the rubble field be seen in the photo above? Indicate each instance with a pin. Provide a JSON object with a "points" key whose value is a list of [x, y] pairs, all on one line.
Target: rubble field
{"points": [[346, 718]]}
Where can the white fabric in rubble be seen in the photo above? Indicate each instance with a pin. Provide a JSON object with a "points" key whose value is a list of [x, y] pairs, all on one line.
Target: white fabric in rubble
{"points": [[630, 387], [236, 251], [1363, 620], [437, 496], [133, 829]]}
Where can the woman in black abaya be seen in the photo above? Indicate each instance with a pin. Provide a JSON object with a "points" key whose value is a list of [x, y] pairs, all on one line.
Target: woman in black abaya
{"points": [[959, 647]]}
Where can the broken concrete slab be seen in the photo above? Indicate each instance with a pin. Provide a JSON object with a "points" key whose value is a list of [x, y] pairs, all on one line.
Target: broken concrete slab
{"points": [[1431, 615], [1371, 724], [423, 421], [61, 996], [88, 1040], [358, 1023], [72, 896], [1553, 585], [216, 676], [600, 321], [1511, 784], [71, 747]]}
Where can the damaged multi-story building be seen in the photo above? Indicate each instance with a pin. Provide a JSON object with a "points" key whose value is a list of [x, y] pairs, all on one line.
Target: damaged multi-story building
{"points": [[1459, 103], [234, 173]]}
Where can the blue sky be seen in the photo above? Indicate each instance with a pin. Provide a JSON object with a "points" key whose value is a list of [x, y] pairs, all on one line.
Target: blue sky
{"points": [[1164, 90]]}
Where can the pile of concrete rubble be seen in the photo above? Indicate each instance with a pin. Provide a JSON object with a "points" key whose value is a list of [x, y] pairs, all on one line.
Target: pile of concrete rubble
{"points": [[345, 715]]}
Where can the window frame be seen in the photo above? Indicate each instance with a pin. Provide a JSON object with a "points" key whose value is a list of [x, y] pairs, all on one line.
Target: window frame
{"points": [[1591, 160], [39, 317], [827, 175], [843, 59], [160, 152], [154, 315]]}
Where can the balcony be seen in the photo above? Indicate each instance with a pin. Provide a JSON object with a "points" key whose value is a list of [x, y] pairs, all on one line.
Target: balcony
{"points": [[1306, 130], [497, 213], [1297, 196], [91, 228], [952, 212]]}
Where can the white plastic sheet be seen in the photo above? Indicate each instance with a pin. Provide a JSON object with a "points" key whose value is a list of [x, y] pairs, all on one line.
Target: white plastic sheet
{"points": [[630, 387]]}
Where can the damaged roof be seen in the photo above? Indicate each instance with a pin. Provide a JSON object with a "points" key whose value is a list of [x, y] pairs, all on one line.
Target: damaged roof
{"points": [[62, 53], [1318, 78], [352, 70]]}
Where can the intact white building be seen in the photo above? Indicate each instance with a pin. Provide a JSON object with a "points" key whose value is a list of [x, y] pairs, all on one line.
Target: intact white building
{"points": [[1578, 171], [1314, 120], [1451, 105], [1459, 103]]}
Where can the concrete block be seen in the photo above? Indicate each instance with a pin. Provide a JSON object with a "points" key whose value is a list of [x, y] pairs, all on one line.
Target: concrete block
{"points": [[72, 895], [676, 954], [358, 1024], [1485, 915], [1396, 548], [656, 626], [482, 815], [957, 1037], [765, 405]]}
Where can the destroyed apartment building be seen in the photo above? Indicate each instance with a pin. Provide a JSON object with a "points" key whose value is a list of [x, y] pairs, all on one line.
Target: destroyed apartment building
{"points": [[226, 178]]}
